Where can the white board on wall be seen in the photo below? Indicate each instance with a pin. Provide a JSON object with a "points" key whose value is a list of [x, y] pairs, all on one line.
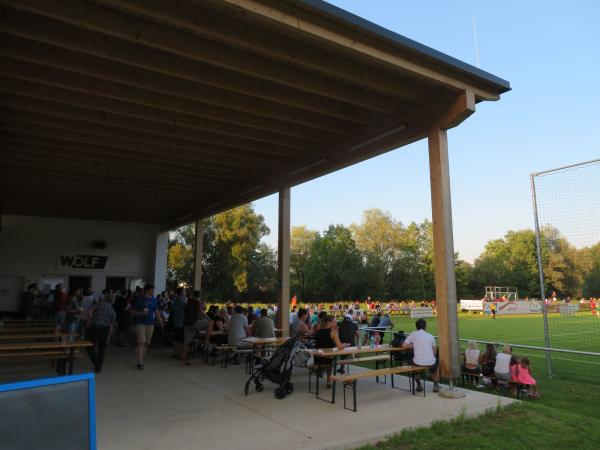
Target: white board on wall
{"points": [[10, 290]]}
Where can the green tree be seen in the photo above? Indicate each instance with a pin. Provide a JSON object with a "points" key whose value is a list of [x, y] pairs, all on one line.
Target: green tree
{"points": [[238, 232], [234, 262], [378, 237], [301, 242], [334, 266]]}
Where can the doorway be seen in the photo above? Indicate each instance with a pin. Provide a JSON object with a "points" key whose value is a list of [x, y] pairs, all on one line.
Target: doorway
{"points": [[116, 283], [79, 282]]}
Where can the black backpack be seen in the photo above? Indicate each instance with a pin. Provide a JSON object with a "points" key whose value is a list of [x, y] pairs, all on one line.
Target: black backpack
{"points": [[397, 341]]}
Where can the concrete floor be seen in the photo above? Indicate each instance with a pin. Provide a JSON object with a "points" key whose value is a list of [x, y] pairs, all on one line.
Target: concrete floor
{"points": [[170, 407]]}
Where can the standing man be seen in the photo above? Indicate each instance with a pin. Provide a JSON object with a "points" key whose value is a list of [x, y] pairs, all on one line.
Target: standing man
{"points": [[144, 316], [60, 305], [493, 309], [178, 315], [423, 345], [100, 329], [28, 301]]}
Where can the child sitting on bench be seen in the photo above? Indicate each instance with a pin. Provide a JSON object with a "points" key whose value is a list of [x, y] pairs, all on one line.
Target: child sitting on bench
{"points": [[521, 373]]}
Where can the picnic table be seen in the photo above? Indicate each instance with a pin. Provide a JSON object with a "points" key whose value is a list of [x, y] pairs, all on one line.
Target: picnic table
{"points": [[335, 354], [15, 330], [34, 336], [57, 350], [258, 342]]}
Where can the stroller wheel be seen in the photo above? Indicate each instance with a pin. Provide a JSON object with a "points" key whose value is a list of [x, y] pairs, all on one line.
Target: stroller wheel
{"points": [[280, 393], [259, 387], [289, 387]]}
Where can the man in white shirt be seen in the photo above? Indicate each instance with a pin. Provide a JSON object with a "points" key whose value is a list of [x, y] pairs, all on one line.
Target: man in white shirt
{"points": [[423, 345]]}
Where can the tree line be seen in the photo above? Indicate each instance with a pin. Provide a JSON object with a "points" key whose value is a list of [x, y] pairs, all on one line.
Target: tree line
{"points": [[380, 257]]}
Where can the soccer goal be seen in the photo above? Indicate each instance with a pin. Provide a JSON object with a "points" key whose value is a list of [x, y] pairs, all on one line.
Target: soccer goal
{"points": [[566, 207]]}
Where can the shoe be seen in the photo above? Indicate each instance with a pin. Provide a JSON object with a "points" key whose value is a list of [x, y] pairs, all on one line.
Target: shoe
{"points": [[419, 387], [480, 386], [140, 366], [340, 370], [436, 387]]}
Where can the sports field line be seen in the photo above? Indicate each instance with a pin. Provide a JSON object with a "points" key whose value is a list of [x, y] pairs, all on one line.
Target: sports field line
{"points": [[566, 359], [557, 335]]}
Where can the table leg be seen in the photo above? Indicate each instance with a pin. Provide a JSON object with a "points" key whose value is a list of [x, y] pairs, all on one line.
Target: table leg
{"points": [[71, 359], [333, 372]]}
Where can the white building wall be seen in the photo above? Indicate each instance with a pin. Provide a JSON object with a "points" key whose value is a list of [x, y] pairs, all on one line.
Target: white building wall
{"points": [[30, 248]]}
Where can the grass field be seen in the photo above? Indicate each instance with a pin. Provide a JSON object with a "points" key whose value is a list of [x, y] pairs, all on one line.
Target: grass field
{"points": [[567, 415], [578, 332]]}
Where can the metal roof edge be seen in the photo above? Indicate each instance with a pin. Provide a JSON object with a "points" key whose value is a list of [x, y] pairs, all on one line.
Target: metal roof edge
{"points": [[397, 39]]}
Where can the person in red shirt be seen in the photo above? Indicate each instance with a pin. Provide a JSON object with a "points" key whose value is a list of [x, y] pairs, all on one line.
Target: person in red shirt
{"points": [[593, 307], [60, 305]]}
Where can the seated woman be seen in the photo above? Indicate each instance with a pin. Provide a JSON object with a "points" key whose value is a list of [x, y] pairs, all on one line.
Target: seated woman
{"points": [[521, 373], [487, 361], [471, 362], [502, 367], [327, 337]]}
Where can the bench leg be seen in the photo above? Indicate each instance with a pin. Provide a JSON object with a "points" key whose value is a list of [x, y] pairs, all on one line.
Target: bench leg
{"points": [[354, 394], [333, 371], [71, 360]]}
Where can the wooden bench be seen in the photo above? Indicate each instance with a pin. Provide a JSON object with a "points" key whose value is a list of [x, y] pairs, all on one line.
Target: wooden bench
{"points": [[376, 359], [521, 388], [349, 380], [227, 350], [60, 356]]}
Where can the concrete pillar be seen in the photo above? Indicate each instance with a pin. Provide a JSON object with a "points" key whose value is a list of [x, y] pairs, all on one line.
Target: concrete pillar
{"points": [[283, 263], [160, 261], [445, 281], [198, 255]]}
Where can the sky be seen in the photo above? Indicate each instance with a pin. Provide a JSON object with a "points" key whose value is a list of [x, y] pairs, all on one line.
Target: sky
{"points": [[549, 51]]}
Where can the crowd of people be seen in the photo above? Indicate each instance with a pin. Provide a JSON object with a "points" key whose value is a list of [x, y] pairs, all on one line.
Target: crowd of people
{"points": [[124, 317]]}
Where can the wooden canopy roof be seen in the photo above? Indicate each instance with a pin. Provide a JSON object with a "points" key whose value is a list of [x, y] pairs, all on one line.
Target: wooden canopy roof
{"points": [[164, 111]]}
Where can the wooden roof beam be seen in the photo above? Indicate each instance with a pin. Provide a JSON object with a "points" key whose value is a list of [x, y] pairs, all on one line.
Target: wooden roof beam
{"points": [[71, 65], [115, 169], [445, 114], [199, 19], [52, 84], [41, 134], [43, 21], [25, 163], [201, 134], [136, 137], [131, 158], [279, 12]]}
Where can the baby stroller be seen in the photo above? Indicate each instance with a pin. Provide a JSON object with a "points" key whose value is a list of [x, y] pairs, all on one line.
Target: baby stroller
{"points": [[277, 369]]}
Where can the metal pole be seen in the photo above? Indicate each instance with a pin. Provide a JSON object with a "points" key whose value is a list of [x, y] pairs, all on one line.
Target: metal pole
{"points": [[538, 245]]}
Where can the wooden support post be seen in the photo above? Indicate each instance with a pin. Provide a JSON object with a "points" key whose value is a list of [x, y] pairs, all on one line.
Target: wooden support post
{"points": [[198, 255], [283, 263], [445, 281]]}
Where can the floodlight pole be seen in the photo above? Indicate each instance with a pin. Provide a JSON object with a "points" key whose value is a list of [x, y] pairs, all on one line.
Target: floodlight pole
{"points": [[538, 245]]}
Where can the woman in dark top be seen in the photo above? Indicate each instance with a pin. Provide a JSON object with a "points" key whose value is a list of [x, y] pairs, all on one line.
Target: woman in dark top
{"points": [[487, 361], [327, 337]]}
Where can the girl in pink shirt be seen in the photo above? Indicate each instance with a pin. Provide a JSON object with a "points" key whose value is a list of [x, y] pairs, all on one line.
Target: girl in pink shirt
{"points": [[520, 373]]}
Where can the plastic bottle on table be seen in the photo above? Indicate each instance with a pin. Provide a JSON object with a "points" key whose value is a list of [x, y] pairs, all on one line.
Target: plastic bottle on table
{"points": [[372, 341]]}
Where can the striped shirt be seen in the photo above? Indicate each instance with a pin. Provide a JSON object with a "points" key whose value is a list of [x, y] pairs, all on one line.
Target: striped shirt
{"points": [[104, 314]]}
